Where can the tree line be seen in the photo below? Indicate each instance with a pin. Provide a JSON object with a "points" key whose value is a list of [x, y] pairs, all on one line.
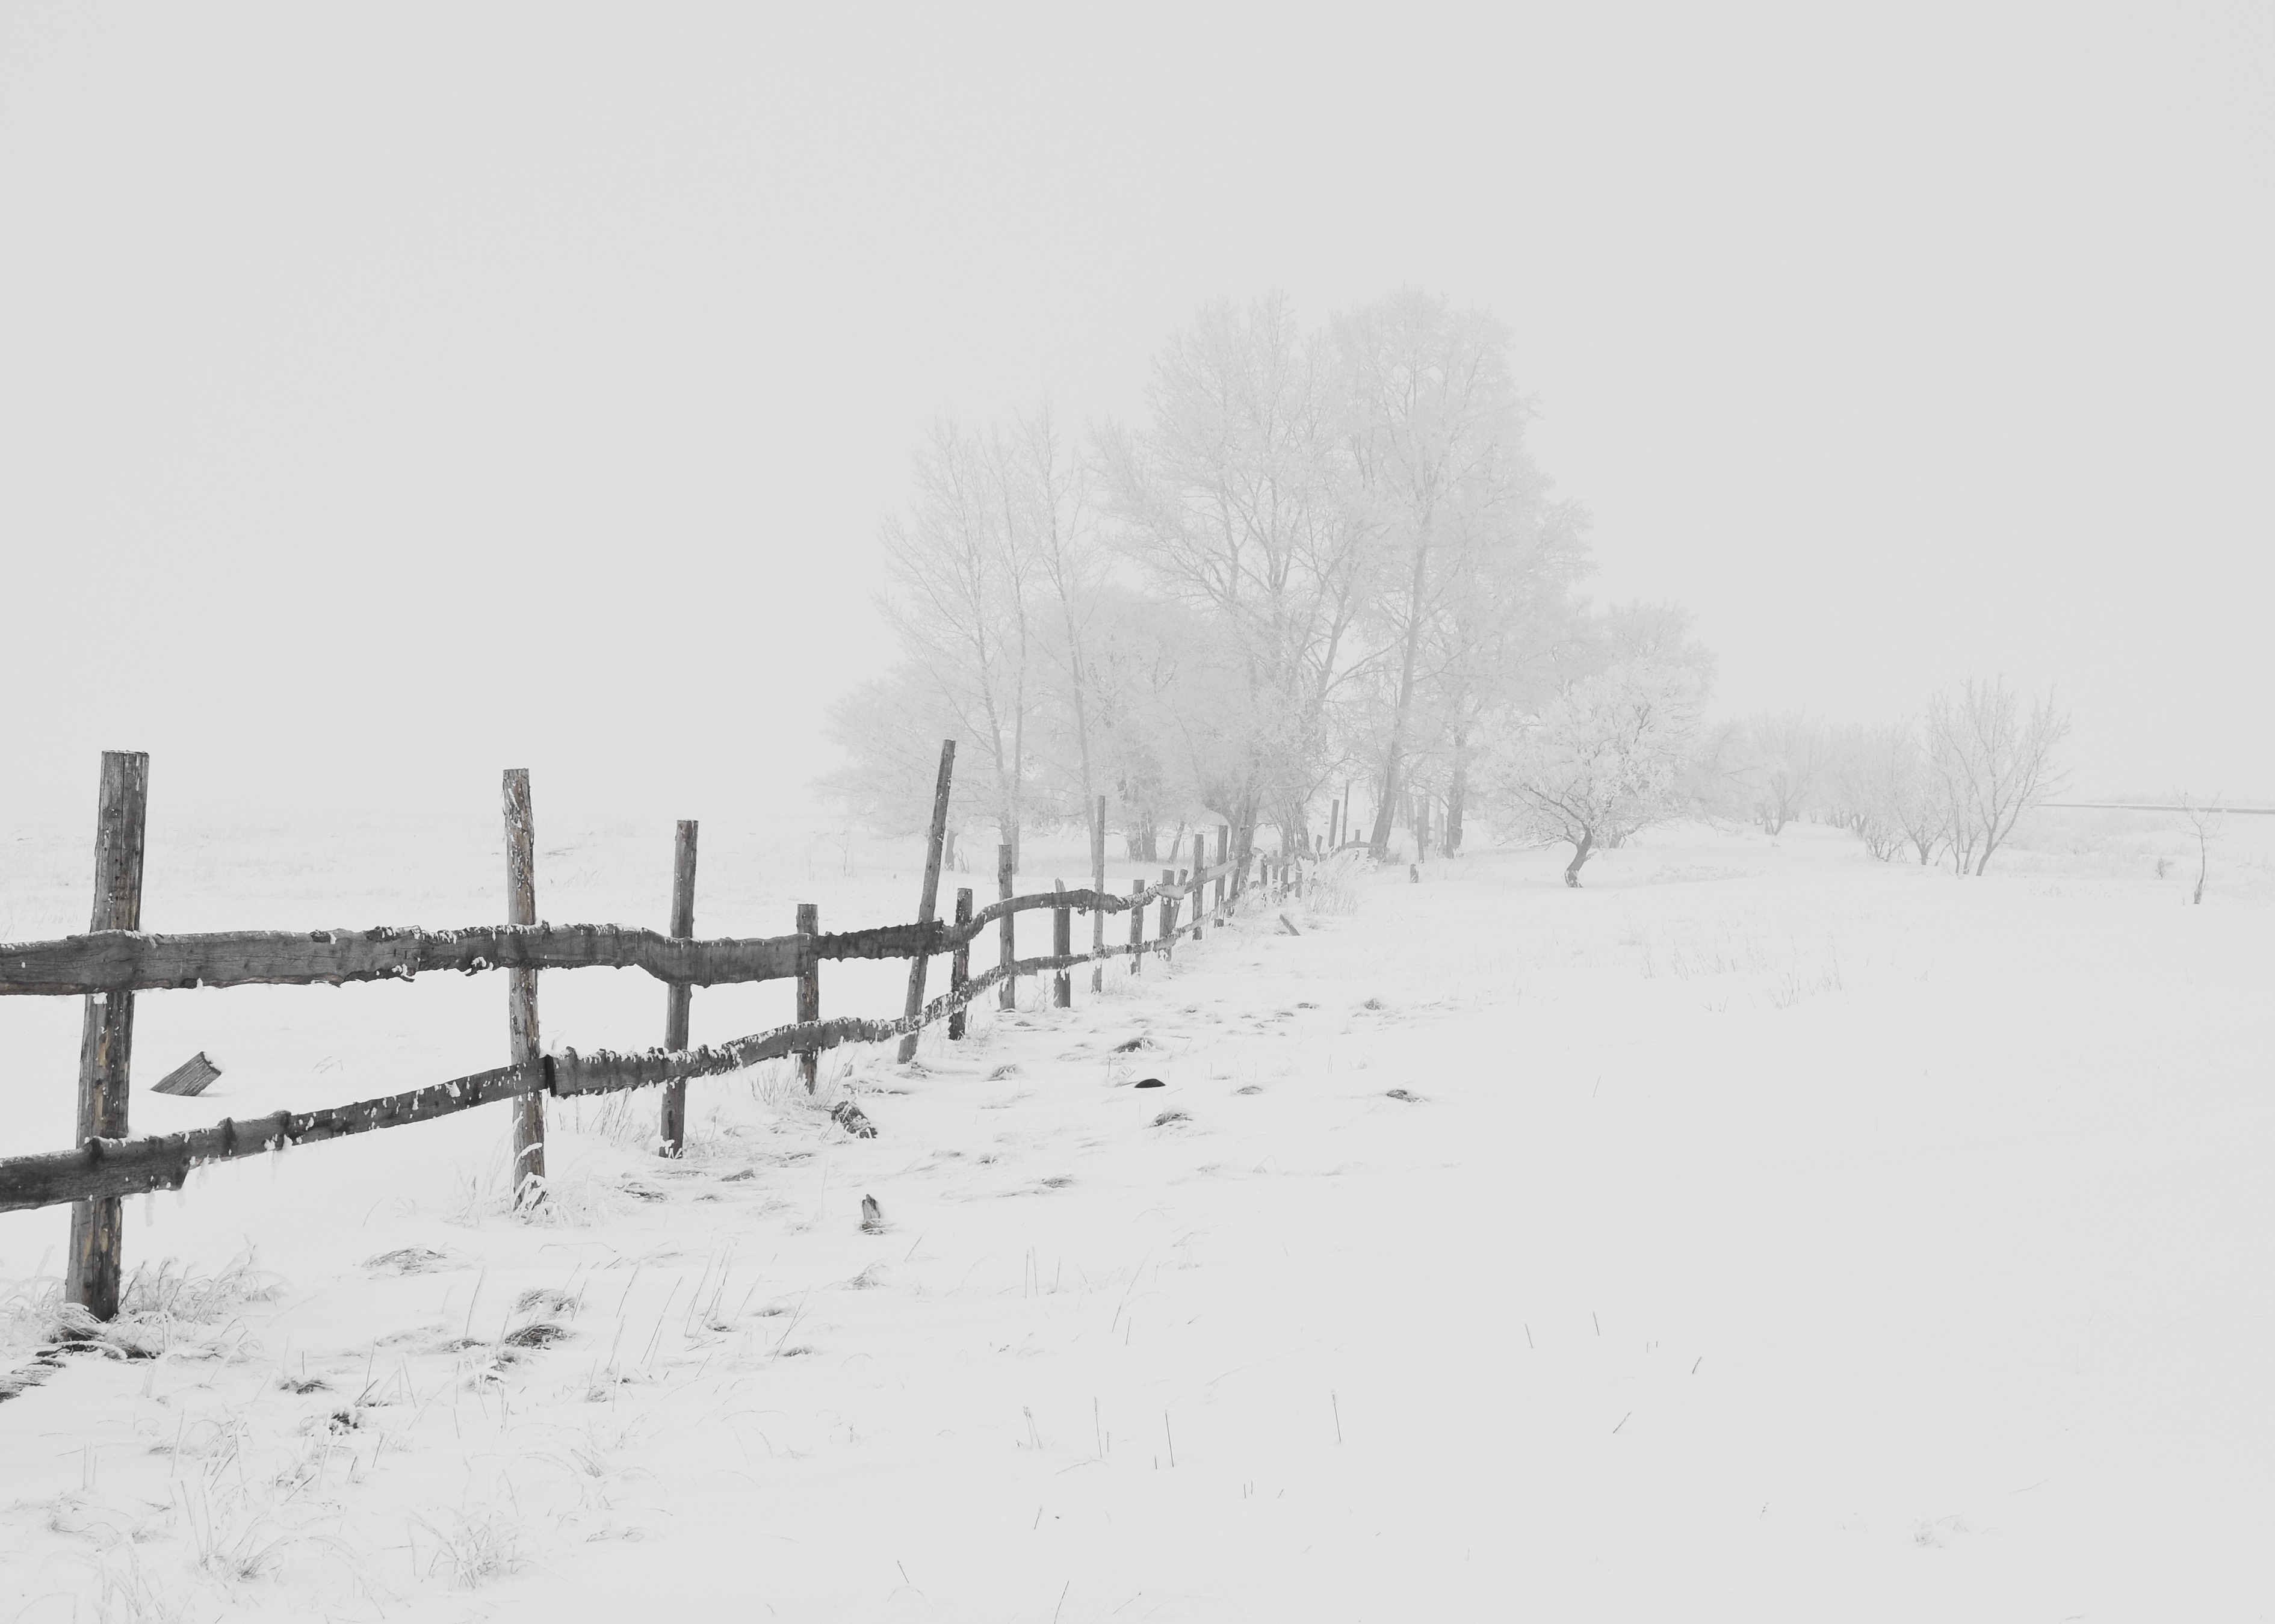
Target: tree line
{"points": [[1320, 568]]}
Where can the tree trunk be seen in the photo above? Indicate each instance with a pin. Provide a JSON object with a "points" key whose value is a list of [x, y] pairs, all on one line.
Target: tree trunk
{"points": [[1580, 851], [1380, 844], [1457, 792]]}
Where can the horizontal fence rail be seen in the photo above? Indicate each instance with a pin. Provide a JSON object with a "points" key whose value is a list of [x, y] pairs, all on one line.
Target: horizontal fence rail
{"points": [[103, 961]]}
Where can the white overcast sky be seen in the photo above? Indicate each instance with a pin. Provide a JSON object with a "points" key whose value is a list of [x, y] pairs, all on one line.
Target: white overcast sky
{"points": [[394, 392]]}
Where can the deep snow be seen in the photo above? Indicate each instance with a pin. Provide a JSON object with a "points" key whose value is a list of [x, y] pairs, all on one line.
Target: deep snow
{"points": [[1770, 1234]]}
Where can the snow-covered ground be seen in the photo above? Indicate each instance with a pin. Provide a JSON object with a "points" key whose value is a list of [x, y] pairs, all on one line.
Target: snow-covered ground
{"points": [[1758, 1233]]}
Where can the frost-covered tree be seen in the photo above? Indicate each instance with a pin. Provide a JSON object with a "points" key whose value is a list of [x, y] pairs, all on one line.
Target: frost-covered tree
{"points": [[1991, 762], [1234, 501], [1784, 774], [1604, 758]]}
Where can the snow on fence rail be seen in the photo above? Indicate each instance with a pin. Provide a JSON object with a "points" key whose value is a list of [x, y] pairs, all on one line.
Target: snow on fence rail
{"points": [[114, 960]]}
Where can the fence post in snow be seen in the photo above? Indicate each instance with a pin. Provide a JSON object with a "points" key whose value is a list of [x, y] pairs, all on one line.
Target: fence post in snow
{"points": [[680, 997], [1137, 925], [809, 989], [928, 903], [1098, 890], [1062, 947], [959, 964], [97, 1264], [1194, 883], [521, 989], [1007, 997], [1170, 878], [1223, 856]]}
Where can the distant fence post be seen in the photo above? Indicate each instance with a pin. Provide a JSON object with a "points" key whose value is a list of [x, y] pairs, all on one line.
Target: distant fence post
{"points": [[96, 1265], [1061, 946], [959, 964], [521, 989], [1098, 889], [1172, 878], [1223, 856], [1007, 997], [809, 989], [679, 998], [1334, 816], [1137, 925], [928, 908]]}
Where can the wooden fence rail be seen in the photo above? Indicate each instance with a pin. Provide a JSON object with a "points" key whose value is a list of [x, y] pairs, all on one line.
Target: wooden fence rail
{"points": [[111, 964]]}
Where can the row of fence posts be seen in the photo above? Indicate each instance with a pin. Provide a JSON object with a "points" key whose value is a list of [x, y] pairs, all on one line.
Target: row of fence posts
{"points": [[94, 1271]]}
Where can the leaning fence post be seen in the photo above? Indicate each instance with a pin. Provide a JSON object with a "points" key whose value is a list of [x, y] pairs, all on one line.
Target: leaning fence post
{"points": [[1098, 893], [1223, 856], [1136, 924], [928, 908], [521, 989], [680, 997], [1062, 947], [809, 989], [94, 1271], [959, 964], [1007, 997]]}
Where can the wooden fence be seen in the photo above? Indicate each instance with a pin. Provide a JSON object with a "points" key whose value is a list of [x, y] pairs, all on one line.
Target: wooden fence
{"points": [[116, 960]]}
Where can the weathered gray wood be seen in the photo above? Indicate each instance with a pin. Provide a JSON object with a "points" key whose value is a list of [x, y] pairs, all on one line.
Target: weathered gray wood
{"points": [[1098, 889], [1062, 947], [959, 964], [106, 1168], [95, 1266], [1172, 882], [809, 994], [1137, 925], [927, 903], [188, 1080], [1223, 849], [1008, 995], [521, 989], [678, 998]]}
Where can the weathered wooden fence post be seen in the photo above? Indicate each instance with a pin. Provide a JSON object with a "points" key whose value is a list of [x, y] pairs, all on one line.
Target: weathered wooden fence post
{"points": [[928, 908], [1098, 891], [1062, 947], [521, 989], [96, 1268], [1334, 814], [1171, 878], [1007, 997], [809, 989], [679, 998], [959, 964], [1137, 925], [1223, 857]]}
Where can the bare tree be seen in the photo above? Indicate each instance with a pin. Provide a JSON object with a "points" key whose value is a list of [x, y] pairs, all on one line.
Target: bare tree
{"points": [[2204, 821], [1992, 761]]}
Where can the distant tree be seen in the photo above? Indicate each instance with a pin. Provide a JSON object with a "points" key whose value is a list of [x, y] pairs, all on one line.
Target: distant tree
{"points": [[2203, 820], [890, 730], [1784, 773], [1991, 762], [1604, 758]]}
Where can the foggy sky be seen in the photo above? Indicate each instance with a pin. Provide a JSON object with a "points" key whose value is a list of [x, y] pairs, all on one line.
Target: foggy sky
{"points": [[393, 395]]}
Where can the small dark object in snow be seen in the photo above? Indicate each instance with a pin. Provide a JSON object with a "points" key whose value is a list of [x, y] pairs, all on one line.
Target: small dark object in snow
{"points": [[1400, 1093], [641, 1192], [737, 1178], [1371, 1004], [1302, 1004], [410, 1260], [1414, 873], [1167, 1117], [1000, 1072], [1151, 1082], [872, 1216], [848, 1115], [1132, 1047], [1288, 924], [1250, 1089], [304, 1384], [543, 1334], [189, 1079]]}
